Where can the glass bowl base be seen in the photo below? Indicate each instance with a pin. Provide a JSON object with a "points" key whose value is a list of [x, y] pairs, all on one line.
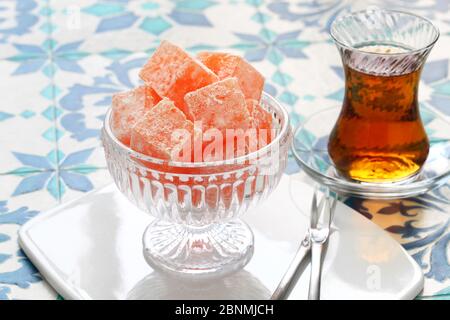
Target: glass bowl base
{"points": [[210, 251]]}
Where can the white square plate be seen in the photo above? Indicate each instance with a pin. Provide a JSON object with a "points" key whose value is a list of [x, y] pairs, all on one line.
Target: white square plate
{"points": [[91, 248]]}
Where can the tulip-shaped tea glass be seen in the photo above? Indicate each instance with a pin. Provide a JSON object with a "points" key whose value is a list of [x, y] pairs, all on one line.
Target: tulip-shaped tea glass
{"points": [[379, 136], [197, 230]]}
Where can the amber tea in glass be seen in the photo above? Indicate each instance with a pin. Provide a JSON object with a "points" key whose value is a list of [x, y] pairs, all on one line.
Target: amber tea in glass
{"points": [[379, 135]]}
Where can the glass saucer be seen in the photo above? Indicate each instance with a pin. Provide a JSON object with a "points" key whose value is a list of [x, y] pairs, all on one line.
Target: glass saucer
{"points": [[310, 151]]}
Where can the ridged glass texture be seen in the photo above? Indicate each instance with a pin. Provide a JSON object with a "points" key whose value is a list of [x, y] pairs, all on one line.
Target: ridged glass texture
{"points": [[363, 37]]}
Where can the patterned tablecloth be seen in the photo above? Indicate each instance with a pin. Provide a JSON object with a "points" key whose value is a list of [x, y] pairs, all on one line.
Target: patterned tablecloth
{"points": [[61, 60]]}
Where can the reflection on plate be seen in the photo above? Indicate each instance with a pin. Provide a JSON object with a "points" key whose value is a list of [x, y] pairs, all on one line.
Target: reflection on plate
{"points": [[240, 286]]}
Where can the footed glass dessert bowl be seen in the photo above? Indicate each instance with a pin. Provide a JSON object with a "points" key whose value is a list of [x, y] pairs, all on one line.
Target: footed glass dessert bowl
{"points": [[197, 205]]}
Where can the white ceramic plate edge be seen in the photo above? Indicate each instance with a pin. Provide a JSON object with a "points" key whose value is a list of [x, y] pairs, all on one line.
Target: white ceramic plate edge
{"points": [[41, 262]]}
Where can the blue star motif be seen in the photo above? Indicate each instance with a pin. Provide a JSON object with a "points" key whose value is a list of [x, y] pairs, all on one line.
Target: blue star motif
{"points": [[54, 172], [32, 58], [271, 46]]}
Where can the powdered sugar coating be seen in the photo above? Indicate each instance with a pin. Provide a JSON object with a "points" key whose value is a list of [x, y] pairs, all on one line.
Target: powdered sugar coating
{"points": [[155, 134], [128, 107], [173, 73], [260, 118], [226, 65], [220, 105]]}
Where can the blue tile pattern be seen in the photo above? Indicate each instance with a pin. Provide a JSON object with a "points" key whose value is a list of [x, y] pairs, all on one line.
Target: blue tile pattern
{"points": [[62, 60]]}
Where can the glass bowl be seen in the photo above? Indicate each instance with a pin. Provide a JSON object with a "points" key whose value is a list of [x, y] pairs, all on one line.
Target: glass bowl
{"points": [[310, 150], [197, 205]]}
